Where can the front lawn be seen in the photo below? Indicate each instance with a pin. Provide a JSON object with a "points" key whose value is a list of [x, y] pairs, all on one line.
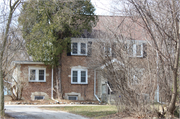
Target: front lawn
{"points": [[88, 111]]}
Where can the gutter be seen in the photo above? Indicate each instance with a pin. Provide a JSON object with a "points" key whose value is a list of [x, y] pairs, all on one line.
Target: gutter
{"points": [[95, 86]]}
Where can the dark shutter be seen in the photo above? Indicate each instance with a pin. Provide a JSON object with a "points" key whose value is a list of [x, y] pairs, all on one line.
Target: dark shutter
{"points": [[144, 50], [114, 50], [69, 49], [89, 48], [124, 48]]}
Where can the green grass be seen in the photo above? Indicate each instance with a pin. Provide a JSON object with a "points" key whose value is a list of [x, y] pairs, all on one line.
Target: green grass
{"points": [[88, 111]]}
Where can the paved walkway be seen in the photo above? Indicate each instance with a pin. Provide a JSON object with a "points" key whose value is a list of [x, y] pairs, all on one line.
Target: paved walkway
{"points": [[33, 112]]}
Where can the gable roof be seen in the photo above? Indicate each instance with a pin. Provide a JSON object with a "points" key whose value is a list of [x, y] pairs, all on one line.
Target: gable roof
{"points": [[117, 26]]}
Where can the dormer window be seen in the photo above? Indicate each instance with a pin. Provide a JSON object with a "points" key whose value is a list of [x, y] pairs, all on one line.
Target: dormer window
{"points": [[79, 48]]}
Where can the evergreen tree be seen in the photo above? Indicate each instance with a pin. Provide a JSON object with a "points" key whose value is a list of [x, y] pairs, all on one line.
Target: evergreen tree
{"points": [[49, 25]]}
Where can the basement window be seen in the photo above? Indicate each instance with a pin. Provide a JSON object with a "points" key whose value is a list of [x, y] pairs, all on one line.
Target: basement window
{"points": [[39, 97], [72, 97]]}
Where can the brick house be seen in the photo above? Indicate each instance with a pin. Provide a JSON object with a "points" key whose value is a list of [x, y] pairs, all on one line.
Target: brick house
{"points": [[77, 78], [79, 81]]}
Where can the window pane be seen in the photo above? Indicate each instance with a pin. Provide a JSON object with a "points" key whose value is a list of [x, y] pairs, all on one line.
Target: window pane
{"points": [[41, 74], [39, 97], [32, 74], [75, 75], [138, 50], [131, 49], [83, 76], [72, 97], [75, 48], [83, 48], [107, 50]]}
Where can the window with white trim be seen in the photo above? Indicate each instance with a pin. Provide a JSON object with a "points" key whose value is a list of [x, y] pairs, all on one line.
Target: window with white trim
{"points": [[79, 48], [79, 76], [37, 74], [135, 50]]}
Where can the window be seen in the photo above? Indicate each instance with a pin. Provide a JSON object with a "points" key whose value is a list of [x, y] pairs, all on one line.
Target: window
{"points": [[135, 50], [135, 80], [75, 50], [37, 74], [83, 48], [79, 48], [107, 50], [39, 97], [79, 76], [136, 76], [73, 97]]}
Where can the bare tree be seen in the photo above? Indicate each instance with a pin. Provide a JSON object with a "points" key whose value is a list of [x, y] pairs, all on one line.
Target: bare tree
{"points": [[138, 53], [15, 50], [161, 21], [6, 18]]}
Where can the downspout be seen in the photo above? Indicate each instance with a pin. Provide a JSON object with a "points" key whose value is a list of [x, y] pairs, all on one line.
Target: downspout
{"points": [[95, 86], [52, 86]]}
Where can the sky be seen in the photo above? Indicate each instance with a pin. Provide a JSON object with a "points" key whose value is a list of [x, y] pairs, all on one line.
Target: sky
{"points": [[102, 6], [107, 7]]}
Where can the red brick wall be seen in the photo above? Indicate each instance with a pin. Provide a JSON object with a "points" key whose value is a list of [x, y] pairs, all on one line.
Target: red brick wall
{"points": [[86, 90], [30, 87]]}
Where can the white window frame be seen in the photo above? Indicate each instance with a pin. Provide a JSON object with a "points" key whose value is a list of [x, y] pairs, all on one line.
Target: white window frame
{"points": [[37, 74], [79, 76], [79, 48], [134, 50]]}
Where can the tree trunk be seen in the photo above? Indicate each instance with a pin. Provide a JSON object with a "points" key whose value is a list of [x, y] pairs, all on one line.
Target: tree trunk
{"points": [[1, 90], [176, 63], [174, 95], [58, 80]]}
